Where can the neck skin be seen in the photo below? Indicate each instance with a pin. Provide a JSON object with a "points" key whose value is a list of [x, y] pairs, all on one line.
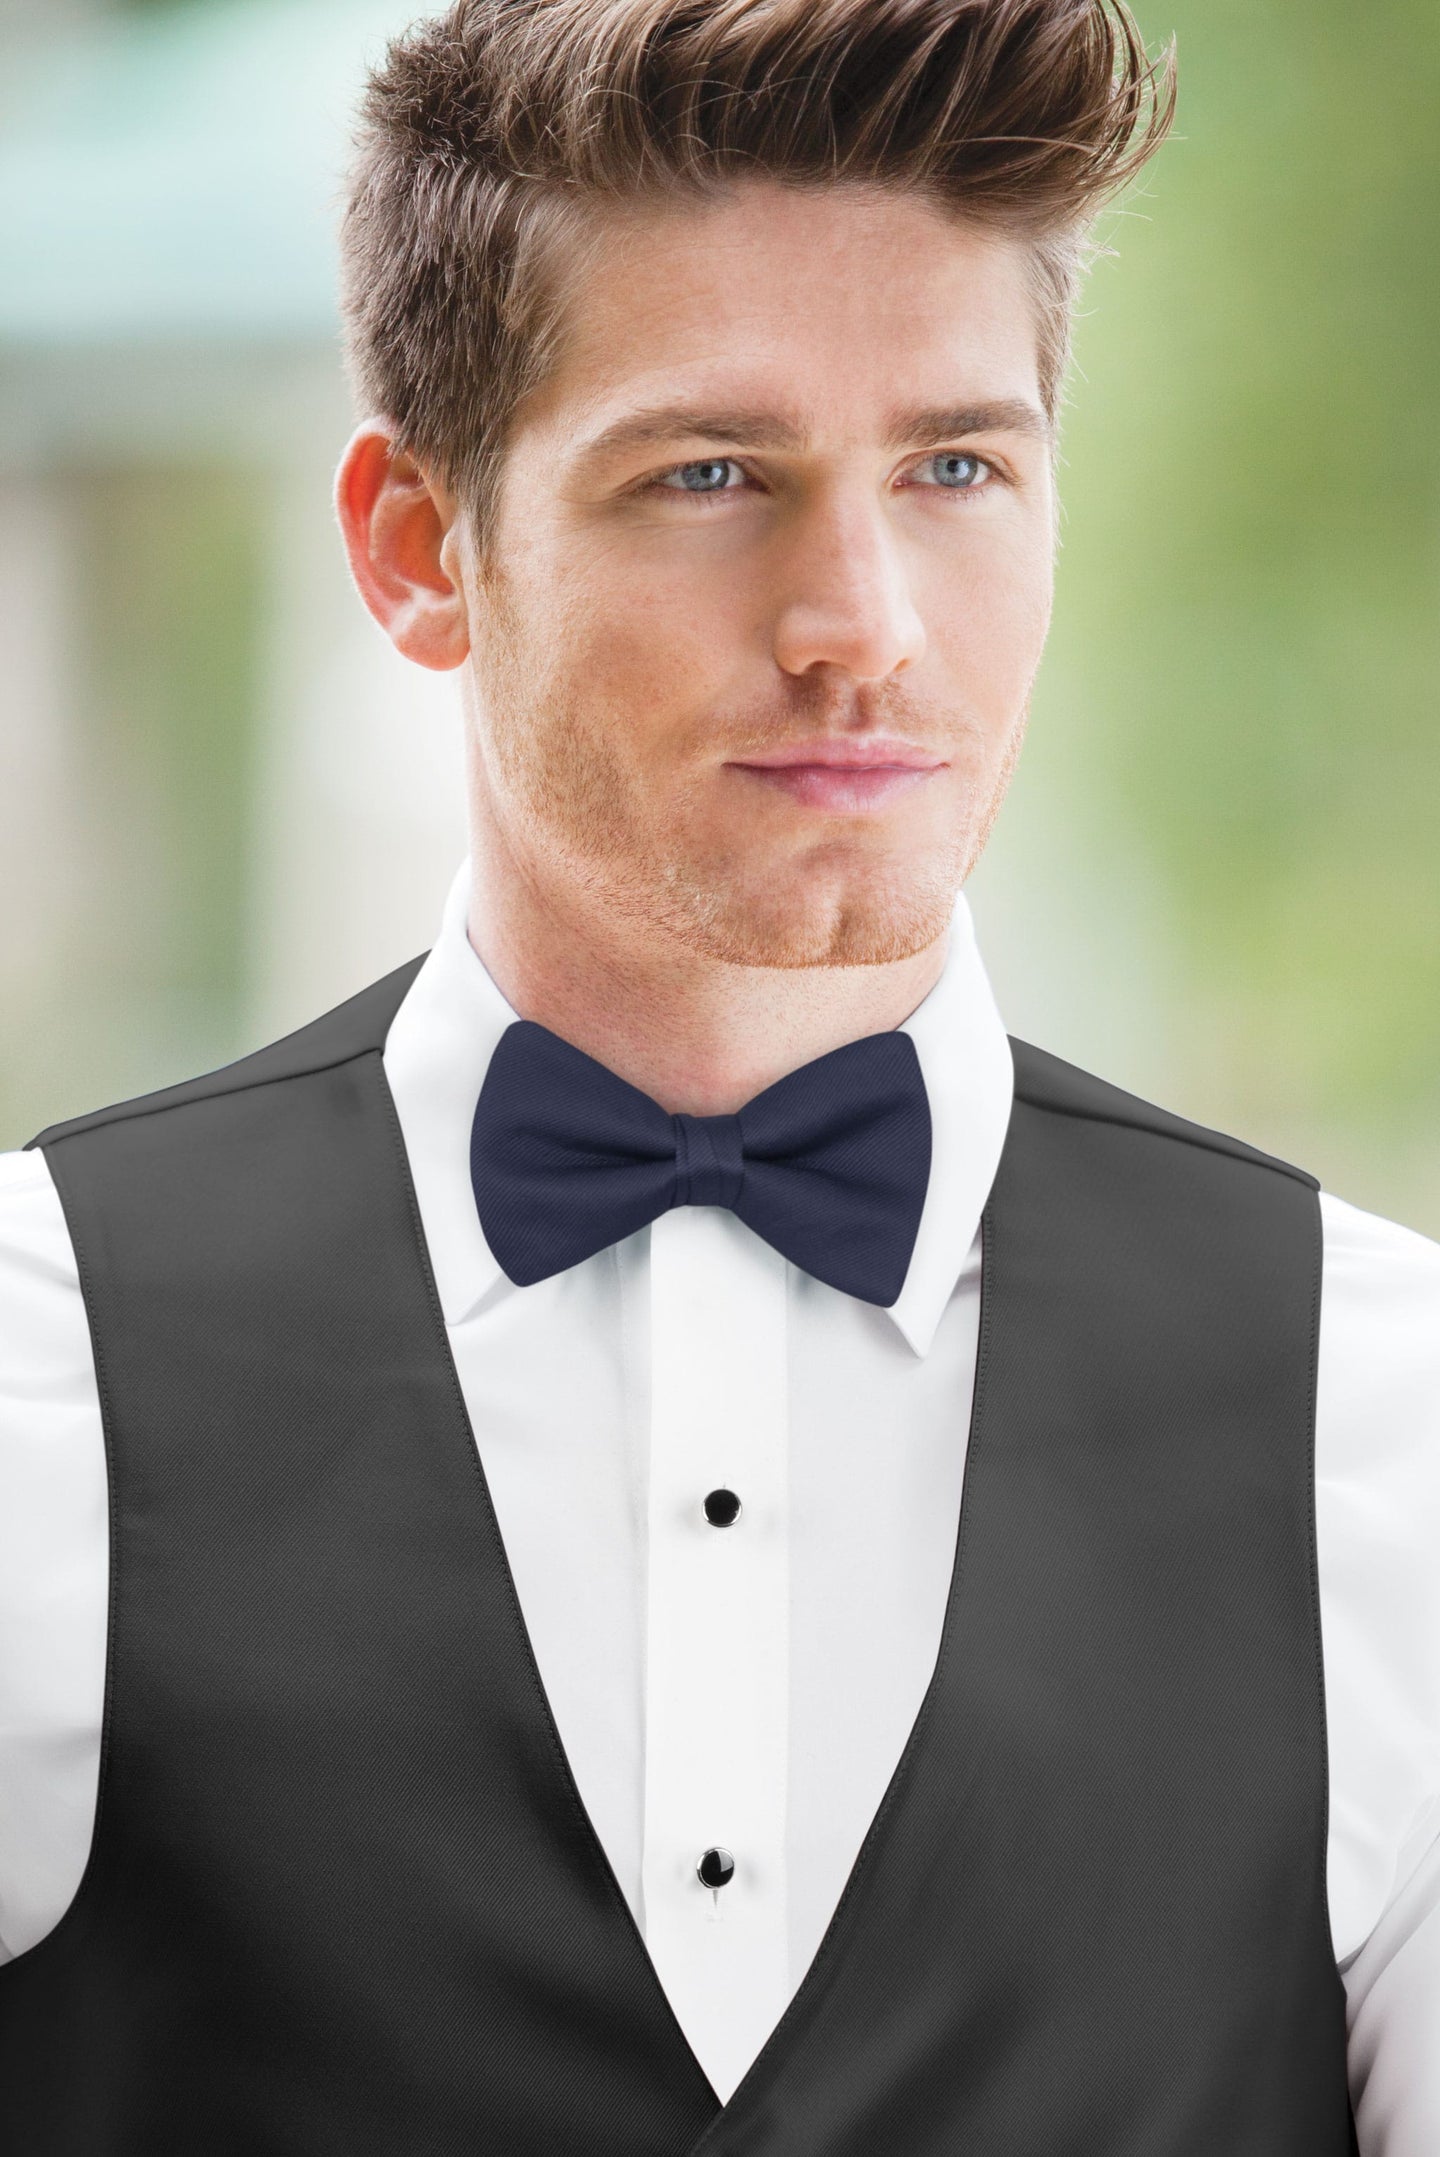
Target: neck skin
{"points": [[700, 1037]]}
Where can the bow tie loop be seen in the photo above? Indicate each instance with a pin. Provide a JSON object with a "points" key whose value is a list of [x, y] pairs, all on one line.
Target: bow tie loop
{"points": [[829, 1165], [709, 1160]]}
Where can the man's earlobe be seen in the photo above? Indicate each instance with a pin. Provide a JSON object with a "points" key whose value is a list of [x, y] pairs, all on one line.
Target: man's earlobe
{"points": [[395, 523]]}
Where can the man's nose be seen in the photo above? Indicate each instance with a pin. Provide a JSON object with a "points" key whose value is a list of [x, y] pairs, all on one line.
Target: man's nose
{"points": [[844, 597]]}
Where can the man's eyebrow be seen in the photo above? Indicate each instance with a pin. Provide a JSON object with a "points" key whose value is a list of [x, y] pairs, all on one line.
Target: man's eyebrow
{"points": [[683, 423], [766, 430], [1003, 415]]}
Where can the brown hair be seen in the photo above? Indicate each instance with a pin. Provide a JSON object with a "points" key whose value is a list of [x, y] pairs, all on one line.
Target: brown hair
{"points": [[488, 133]]}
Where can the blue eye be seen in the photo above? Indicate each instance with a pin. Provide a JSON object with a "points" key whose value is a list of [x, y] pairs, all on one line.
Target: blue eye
{"points": [[958, 471], [707, 476]]}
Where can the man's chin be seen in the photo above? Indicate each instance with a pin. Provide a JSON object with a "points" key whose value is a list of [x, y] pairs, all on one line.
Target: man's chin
{"points": [[865, 927]]}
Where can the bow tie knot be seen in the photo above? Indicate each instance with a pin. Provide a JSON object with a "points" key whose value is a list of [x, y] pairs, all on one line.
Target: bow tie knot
{"points": [[829, 1165], [709, 1160]]}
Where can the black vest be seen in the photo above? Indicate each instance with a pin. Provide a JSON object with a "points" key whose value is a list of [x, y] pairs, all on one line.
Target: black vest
{"points": [[344, 1899]]}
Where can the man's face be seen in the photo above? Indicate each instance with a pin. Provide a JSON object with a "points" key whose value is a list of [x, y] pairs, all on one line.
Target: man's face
{"points": [[786, 502]]}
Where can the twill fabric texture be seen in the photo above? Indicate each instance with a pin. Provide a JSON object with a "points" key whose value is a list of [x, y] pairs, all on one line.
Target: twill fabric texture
{"points": [[343, 1893], [829, 1165]]}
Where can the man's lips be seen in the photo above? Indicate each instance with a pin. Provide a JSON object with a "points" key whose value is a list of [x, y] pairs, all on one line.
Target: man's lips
{"points": [[843, 774]]}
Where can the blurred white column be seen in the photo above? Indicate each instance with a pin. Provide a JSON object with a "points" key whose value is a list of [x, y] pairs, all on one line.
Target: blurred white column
{"points": [[360, 819], [43, 887]]}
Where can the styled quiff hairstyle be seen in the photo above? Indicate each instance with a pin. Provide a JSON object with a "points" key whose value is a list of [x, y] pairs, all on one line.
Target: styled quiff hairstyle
{"points": [[490, 136]]}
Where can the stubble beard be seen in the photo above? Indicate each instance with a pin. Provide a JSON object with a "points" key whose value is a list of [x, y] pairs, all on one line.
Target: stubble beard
{"points": [[581, 828]]}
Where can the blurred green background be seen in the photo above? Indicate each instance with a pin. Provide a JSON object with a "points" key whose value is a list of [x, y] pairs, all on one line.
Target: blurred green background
{"points": [[224, 804]]}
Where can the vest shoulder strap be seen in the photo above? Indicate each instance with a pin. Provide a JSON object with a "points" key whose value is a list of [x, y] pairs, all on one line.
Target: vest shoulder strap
{"points": [[358, 1025], [1047, 1082]]}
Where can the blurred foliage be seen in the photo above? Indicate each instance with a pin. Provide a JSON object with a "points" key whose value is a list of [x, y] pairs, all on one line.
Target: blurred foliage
{"points": [[146, 921], [170, 636], [1250, 597]]}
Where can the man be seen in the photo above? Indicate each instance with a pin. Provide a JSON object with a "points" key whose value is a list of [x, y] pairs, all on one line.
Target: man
{"points": [[555, 1697]]}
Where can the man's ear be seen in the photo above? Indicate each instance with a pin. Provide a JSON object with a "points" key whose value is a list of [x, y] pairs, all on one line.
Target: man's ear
{"points": [[395, 523]]}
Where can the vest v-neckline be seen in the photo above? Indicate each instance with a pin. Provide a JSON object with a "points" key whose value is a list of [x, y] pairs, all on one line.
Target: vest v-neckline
{"points": [[771, 2058]]}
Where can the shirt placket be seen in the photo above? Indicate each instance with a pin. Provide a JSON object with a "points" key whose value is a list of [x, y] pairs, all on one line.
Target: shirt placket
{"points": [[717, 1646]]}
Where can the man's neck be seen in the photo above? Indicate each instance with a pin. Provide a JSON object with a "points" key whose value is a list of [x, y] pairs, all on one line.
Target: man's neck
{"points": [[700, 1037]]}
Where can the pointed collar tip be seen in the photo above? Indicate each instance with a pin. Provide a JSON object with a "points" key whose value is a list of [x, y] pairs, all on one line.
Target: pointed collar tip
{"points": [[916, 1317]]}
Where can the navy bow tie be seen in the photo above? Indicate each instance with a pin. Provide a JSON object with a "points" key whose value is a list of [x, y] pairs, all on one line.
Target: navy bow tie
{"points": [[829, 1164]]}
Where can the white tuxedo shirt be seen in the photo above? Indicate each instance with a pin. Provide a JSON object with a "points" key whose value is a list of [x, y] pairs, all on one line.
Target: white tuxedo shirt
{"points": [[754, 1686]]}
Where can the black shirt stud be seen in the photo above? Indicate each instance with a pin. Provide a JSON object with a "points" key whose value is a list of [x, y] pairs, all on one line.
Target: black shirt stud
{"points": [[715, 1867]]}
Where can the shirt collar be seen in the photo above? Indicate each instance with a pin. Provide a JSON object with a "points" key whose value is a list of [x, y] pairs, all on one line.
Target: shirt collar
{"points": [[441, 1039], [969, 1076]]}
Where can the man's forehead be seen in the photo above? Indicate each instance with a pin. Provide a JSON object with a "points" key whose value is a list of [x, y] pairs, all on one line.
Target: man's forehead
{"points": [[782, 329]]}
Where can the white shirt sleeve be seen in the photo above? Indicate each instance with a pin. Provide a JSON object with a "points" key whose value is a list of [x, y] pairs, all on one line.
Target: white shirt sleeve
{"points": [[1377, 1451], [54, 1560]]}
